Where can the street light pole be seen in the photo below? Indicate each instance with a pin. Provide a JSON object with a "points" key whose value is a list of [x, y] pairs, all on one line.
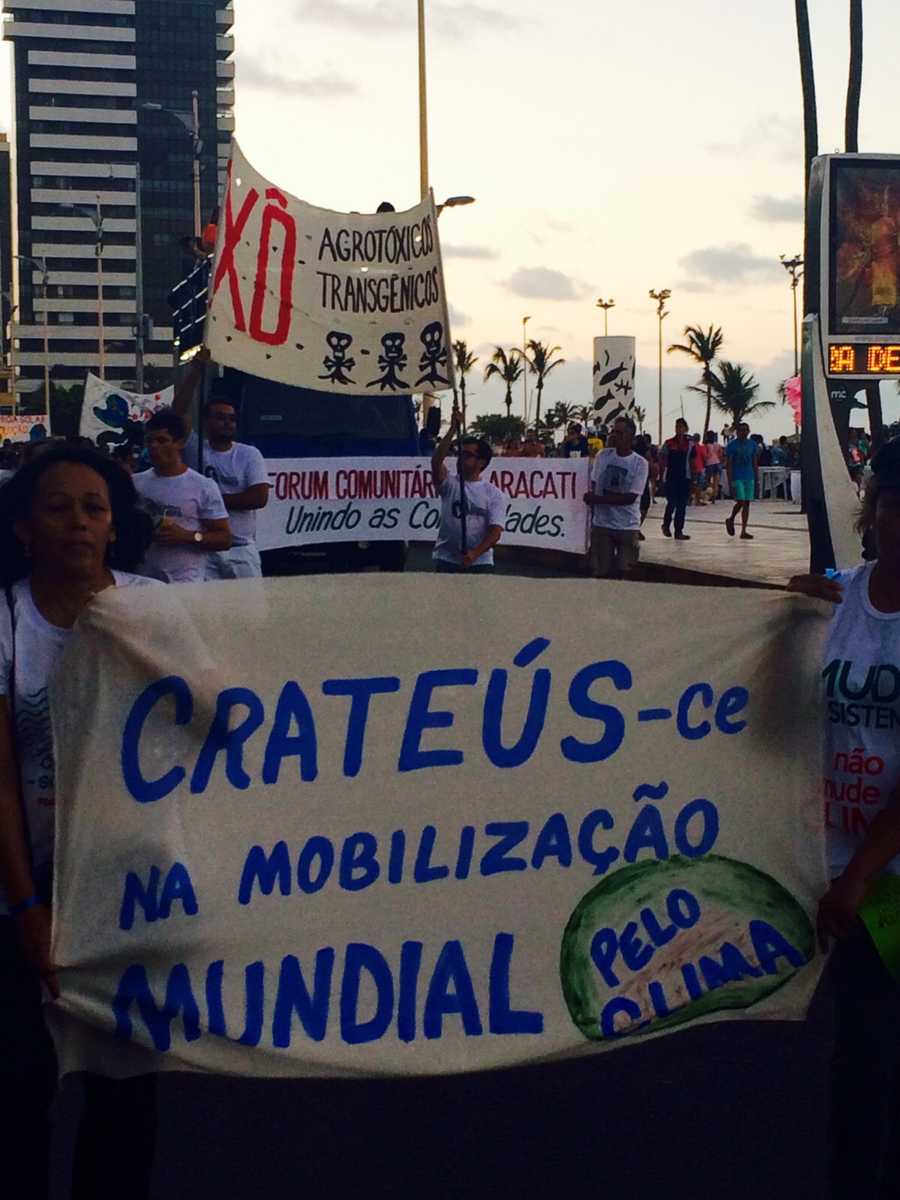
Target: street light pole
{"points": [[13, 309], [41, 264], [198, 214], [138, 287], [98, 250], [660, 297], [423, 107], [525, 321], [190, 122], [606, 305], [794, 268]]}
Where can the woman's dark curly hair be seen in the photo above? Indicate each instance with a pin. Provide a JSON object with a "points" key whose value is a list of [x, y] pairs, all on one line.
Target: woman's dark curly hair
{"points": [[133, 527]]}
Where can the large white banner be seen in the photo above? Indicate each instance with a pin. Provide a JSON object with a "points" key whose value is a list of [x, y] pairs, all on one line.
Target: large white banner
{"points": [[110, 416], [347, 303], [313, 501], [395, 825]]}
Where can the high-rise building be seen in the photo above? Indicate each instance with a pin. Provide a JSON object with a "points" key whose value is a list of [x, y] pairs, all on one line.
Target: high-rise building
{"points": [[105, 93]]}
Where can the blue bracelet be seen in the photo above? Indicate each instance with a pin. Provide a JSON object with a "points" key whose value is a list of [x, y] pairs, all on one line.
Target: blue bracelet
{"points": [[16, 910]]}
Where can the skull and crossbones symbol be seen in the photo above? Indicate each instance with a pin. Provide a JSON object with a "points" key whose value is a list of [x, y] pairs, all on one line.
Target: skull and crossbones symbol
{"points": [[434, 356], [392, 361], [338, 363]]}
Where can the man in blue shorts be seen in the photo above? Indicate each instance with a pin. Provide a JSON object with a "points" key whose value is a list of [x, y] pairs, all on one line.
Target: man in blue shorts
{"points": [[741, 457]]}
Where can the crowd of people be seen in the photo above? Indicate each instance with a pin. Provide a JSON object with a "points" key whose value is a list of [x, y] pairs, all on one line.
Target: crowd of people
{"points": [[199, 501], [75, 522]]}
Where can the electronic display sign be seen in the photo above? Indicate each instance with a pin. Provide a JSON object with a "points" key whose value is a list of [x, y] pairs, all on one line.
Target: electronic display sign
{"points": [[862, 358], [859, 271]]}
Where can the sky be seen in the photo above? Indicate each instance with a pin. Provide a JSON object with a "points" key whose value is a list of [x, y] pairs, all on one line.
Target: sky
{"points": [[611, 149]]}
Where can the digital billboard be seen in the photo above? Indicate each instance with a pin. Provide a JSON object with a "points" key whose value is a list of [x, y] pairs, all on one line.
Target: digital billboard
{"points": [[864, 250]]}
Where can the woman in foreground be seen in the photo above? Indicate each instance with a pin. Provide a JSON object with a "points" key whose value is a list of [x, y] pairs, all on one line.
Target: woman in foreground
{"points": [[70, 528], [861, 709]]}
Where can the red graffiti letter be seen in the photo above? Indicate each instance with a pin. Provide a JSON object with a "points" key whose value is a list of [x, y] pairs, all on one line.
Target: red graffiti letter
{"points": [[288, 263], [233, 231]]}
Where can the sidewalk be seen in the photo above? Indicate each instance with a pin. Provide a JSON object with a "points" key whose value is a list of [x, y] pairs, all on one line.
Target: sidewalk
{"points": [[780, 546]]}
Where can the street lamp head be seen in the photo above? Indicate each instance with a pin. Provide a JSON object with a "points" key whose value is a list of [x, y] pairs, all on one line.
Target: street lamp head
{"points": [[457, 201], [151, 106]]}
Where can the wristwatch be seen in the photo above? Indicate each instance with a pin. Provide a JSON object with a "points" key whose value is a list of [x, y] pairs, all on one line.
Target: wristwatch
{"points": [[198, 537]]}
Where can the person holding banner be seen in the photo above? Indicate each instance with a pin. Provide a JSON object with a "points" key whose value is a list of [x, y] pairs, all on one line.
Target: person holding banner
{"points": [[238, 469], [70, 528], [191, 518], [861, 696], [618, 480], [473, 512]]}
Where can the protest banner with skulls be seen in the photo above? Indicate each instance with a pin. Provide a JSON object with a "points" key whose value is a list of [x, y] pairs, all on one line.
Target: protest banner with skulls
{"points": [[346, 303], [615, 363]]}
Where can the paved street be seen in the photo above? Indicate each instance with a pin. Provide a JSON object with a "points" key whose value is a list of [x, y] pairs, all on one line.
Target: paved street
{"points": [[735, 1110], [780, 546]]}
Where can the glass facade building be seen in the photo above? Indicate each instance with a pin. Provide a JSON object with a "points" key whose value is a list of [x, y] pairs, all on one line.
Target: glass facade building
{"points": [[84, 73]]}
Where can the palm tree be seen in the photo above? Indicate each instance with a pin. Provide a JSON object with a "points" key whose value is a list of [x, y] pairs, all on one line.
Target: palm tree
{"points": [[854, 82], [541, 362], [733, 392], [561, 414], [640, 415], [508, 368], [464, 362], [585, 413], [702, 348]]}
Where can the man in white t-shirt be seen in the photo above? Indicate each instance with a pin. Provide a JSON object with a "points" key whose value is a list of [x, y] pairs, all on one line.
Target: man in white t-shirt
{"points": [[238, 469], [485, 507], [618, 479], [192, 521]]}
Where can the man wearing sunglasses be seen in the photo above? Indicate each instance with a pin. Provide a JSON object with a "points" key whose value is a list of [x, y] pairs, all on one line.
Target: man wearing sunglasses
{"points": [[485, 507]]}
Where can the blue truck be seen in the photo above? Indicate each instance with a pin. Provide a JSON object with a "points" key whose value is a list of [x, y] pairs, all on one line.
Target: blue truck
{"points": [[294, 422]]}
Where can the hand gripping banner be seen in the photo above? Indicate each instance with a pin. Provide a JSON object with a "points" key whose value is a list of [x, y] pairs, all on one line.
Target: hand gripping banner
{"points": [[346, 303]]}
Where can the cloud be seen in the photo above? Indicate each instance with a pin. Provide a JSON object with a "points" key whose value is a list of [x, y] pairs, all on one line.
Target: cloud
{"points": [[734, 263], [559, 226], [453, 20], [771, 135], [458, 318], [544, 283], [777, 208], [450, 250], [329, 85]]}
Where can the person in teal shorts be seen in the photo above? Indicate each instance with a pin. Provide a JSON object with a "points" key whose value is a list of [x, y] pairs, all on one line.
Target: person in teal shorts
{"points": [[741, 464]]}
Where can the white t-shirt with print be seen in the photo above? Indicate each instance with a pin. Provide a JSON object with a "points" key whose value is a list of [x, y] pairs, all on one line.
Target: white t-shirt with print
{"points": [[189, 500], [614, 473], [861, 697], [485, 506], [234, 471], [38, 647]]}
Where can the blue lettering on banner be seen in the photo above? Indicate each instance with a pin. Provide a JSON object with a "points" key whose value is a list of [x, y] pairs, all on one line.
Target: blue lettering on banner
{"points": [[142, 789], [293, 732], [428, 857], [412, 756], [370, 998]]}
